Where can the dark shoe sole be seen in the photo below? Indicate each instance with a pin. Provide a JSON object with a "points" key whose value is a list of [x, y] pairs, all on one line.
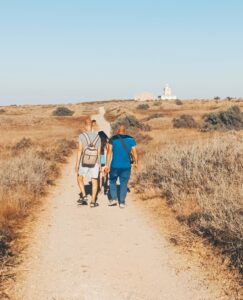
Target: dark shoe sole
{"points": [[82, 202]]}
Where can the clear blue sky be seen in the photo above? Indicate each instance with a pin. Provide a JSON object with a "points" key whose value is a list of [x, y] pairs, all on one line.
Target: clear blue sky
{"points": [[66, 51]]}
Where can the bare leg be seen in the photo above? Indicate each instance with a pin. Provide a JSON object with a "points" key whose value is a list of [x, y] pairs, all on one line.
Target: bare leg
{"points": [[94, 189], [100, 180], [81, 185]]}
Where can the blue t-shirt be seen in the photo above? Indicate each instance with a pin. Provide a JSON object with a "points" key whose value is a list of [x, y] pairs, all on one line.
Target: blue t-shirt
{"points": [[120, 158]]}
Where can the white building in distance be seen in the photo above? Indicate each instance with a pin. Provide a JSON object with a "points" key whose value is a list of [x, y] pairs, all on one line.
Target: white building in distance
{"points": [[167, 94], [144, 97]]}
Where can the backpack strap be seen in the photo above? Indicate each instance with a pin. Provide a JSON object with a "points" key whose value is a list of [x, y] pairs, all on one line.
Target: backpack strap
{"points": [[123, 145], [87, 138], [95, 140]]}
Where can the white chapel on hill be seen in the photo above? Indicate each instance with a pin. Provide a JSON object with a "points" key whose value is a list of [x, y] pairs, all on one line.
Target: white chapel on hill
{"points": [[167, 94]]}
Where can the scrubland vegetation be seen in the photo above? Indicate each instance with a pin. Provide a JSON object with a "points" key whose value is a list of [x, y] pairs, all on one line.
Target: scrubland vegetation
{"points": [[207, 175], [231, 119], [62, 111], [191, 158], [194, 162], [184, 121], [33, 146], [143, 106]]}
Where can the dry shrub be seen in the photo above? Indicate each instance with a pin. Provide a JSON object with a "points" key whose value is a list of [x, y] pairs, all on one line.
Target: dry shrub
{"points": [[2, 111], [113, 113], [207, 176], [27, 170], [57, 152], [157, 103], [142, 138], [131, 123], [154, 116], [143, 106], [178, 102], [4, 247], [22, 145], [224, 120], [22, 179], [63, 149], [62, 111], [184, 121]]}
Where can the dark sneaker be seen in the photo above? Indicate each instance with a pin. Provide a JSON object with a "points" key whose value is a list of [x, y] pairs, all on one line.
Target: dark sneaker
{"points": [[94, 204], [83, 200]]}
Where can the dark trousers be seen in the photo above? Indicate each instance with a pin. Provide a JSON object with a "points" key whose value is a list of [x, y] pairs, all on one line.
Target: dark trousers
{"points": [[123, 174]]}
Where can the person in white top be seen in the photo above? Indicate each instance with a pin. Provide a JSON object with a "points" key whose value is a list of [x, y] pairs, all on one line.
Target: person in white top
{"points": [[88, 139]]}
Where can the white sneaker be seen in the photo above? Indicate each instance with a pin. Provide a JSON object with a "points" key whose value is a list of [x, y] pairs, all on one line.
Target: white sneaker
{"points": [[122, 205], [112, 203]]}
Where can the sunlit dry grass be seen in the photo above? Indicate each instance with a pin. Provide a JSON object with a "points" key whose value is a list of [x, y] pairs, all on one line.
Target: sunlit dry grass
{"points": [[197, 173], [207, 175], [33, 145]]}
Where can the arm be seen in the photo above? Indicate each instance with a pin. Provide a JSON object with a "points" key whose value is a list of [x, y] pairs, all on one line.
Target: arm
{"points": [[79, 153], [135, 155], [108, 158]]}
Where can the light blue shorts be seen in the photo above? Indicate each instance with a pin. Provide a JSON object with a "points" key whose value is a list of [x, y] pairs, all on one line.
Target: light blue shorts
{"points": [[89, 172]]}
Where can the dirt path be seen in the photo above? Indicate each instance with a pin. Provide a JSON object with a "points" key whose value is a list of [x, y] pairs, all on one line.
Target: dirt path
{"points": [[104, 253]]}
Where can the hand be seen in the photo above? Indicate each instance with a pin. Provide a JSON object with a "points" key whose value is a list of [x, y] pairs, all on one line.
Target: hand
{"points": [[107, 169]]}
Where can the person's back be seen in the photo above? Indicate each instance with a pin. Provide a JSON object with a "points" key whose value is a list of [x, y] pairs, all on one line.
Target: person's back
{"points": [[119, 163], [120, 157], [91, 138], [88, 141]]}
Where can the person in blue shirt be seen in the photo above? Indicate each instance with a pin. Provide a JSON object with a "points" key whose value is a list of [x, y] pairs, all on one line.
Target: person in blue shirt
{"points": [[118, 164]]}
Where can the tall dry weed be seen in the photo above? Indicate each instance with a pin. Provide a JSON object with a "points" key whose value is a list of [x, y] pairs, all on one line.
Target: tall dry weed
{"points": [[26, 169], [208, 178]]}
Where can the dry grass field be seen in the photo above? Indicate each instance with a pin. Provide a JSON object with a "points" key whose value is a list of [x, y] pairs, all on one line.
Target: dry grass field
{"points": [[191, 167], [197, 172], [33, 145]]}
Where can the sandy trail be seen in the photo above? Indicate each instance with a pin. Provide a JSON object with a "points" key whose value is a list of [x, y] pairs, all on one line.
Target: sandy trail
{"points": [[101, 253]]}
